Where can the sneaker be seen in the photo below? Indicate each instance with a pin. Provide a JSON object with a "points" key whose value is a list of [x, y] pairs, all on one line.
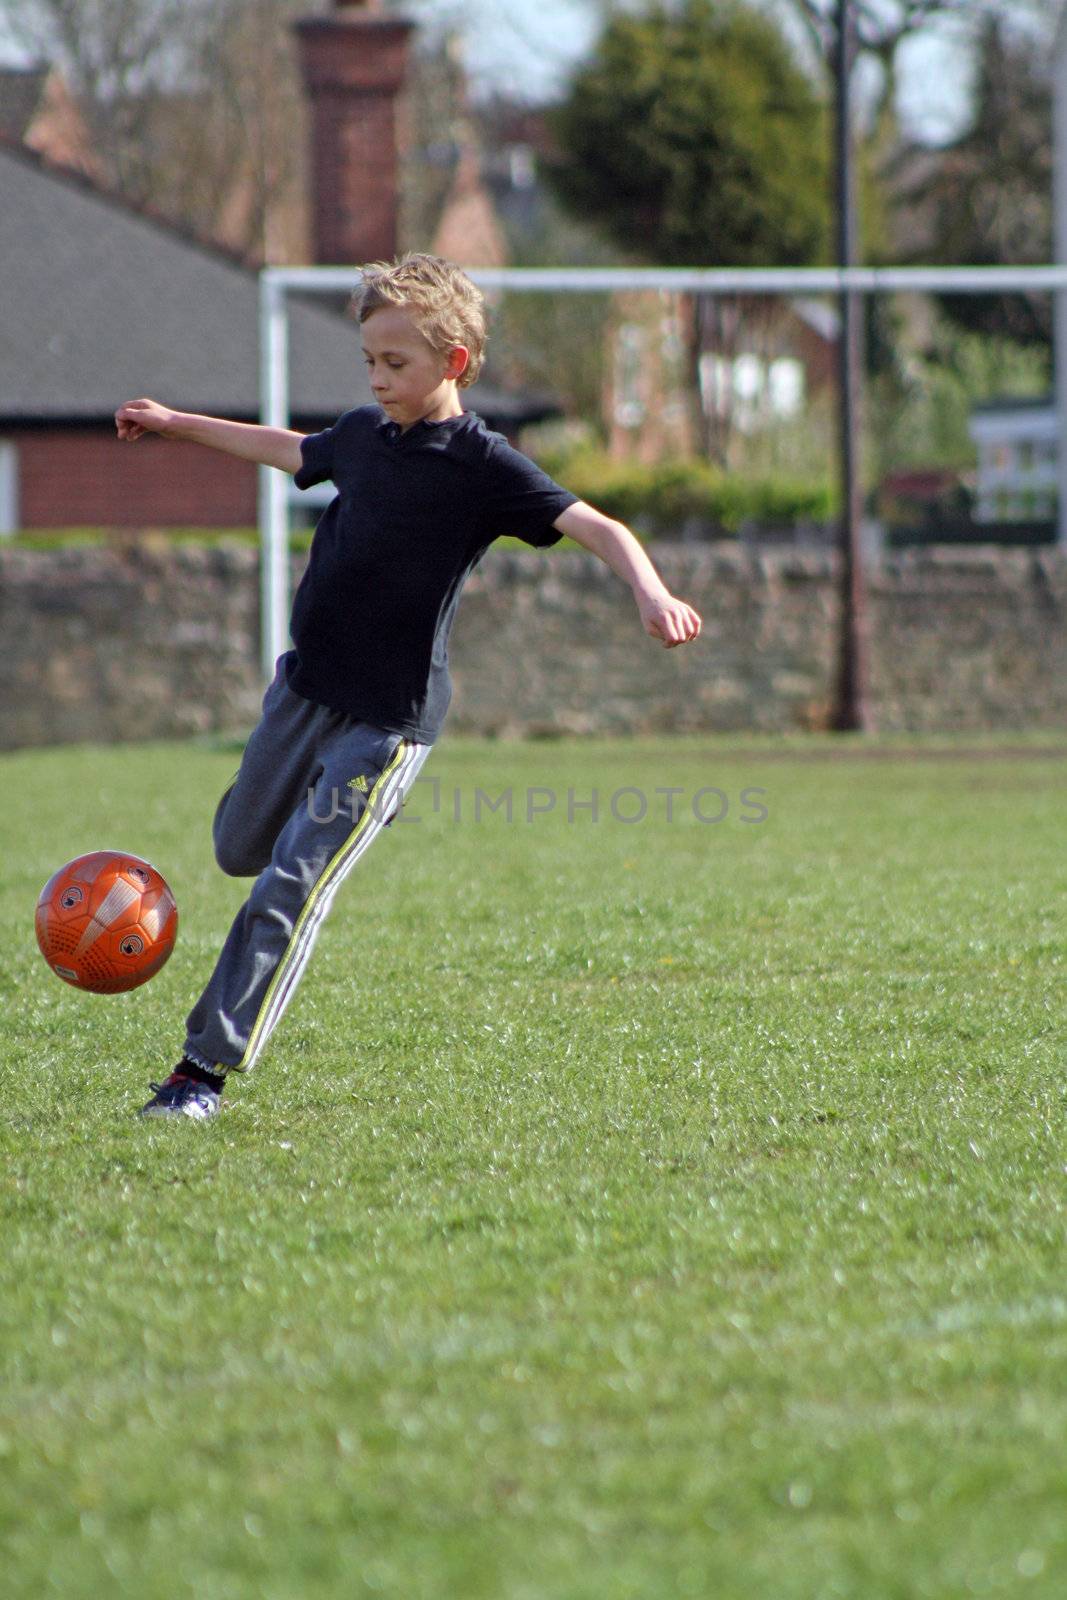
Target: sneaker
{"points": [[181, 1096]]}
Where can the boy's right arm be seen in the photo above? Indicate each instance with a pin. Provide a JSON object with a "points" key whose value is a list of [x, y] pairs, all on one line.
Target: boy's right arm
{"points": [[272, 447]]}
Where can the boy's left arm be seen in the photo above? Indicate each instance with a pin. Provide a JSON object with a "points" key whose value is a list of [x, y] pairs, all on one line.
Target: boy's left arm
{"points": [[663, 616]]}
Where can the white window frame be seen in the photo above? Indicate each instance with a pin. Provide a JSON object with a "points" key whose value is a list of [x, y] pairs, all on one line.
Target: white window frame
{"points": [[9, 488]]}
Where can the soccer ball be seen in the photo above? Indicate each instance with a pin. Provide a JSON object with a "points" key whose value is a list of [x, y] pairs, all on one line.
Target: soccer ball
{"points": [[106, 922]]}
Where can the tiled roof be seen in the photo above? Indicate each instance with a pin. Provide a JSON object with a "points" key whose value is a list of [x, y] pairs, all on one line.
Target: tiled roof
{"points": [[102, 302]]}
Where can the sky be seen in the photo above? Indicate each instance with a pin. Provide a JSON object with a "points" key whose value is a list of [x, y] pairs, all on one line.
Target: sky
{"points": [[526, 48]]}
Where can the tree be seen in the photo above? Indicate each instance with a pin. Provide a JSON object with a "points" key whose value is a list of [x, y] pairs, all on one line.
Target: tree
{"points": [[879, 31], [986, 198], [191, 104], [115, 55], [692, 137]]}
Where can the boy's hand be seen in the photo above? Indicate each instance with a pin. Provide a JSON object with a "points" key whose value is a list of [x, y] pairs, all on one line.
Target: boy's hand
{"points": [[666, 618], [144, 416]]}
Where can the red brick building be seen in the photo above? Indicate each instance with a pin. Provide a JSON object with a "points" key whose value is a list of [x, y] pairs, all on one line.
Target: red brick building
{"points": [[103, 301]]}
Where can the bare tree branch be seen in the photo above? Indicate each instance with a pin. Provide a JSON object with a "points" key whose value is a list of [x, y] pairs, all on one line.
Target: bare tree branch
{"points": [[881, 25], [818, 24], [194, 106]]}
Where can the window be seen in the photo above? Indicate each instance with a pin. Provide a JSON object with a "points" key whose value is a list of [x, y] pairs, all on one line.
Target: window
{"points": [[630, 407], [785, 386], [9, 487]]}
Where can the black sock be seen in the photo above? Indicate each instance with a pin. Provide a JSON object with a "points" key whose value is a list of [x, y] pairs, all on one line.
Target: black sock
{"points": [[214, 1080]]}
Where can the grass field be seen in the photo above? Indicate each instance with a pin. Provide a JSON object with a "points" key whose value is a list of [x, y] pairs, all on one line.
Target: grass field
{"points": [[621, 1211]]}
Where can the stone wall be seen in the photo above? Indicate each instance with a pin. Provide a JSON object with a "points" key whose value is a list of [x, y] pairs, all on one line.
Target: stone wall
{"points": [[151, 640]]}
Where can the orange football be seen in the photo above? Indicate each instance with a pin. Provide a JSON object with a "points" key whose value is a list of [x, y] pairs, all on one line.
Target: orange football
{"points": [[106, 922]]}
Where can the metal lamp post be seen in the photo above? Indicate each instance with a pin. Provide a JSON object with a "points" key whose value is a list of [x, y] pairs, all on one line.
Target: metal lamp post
{"points": [[850, 708]]}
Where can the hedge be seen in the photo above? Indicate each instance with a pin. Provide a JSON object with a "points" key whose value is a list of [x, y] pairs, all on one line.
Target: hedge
{"points": [[674, 499], [689, 498]]}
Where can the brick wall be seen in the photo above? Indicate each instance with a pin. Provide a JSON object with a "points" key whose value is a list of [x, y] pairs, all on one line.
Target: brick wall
{"points": [[79, 477], [354, 63], [357, 218], [146, 640]]}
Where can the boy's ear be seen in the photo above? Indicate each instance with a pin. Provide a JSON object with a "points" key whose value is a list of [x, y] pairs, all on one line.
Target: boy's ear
{"points": [[458, 361]]}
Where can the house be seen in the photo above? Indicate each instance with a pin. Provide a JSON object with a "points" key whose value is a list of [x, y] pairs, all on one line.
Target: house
{"points": [[763, 360], [38, 110], [103, 303], [759, 362], [1017, 477], [104, 300], [646, 409]]}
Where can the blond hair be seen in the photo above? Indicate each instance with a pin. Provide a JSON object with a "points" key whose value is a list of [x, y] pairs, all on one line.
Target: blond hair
{"points": [[446, 307]]}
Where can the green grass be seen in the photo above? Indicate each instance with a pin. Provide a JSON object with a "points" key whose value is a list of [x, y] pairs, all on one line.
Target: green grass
{"points": [[619, 1212], [205, 538], [70, 538]]}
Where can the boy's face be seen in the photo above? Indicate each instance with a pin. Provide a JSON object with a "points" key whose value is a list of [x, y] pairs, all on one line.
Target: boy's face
{"points": [[411, 381]]}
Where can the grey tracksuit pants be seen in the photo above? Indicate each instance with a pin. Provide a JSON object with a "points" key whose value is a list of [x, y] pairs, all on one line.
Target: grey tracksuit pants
{"points": [[315, 788]]}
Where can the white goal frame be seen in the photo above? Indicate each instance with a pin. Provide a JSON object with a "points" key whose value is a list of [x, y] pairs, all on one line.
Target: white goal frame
{"points": [[276, 283]]}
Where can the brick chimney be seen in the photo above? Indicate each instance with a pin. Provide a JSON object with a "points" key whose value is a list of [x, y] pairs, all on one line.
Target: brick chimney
{"points": [[354, 64]]}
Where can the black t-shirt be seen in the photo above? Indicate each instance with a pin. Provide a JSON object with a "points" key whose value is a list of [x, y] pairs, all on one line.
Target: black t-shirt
{"points": [[414, 514]]}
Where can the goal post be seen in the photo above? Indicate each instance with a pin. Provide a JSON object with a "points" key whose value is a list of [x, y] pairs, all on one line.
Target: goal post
{"points": [[276, 283], [274, 485]]}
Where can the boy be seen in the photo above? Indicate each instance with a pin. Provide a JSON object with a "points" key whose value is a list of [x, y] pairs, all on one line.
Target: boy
{"points": [[423, 490]]}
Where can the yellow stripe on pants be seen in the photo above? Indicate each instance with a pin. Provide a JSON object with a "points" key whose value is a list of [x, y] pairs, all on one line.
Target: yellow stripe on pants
{"points": [[331, 874]]}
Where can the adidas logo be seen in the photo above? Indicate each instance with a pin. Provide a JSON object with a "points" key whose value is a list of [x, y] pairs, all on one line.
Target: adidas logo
{"points": [[359, 783]]}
